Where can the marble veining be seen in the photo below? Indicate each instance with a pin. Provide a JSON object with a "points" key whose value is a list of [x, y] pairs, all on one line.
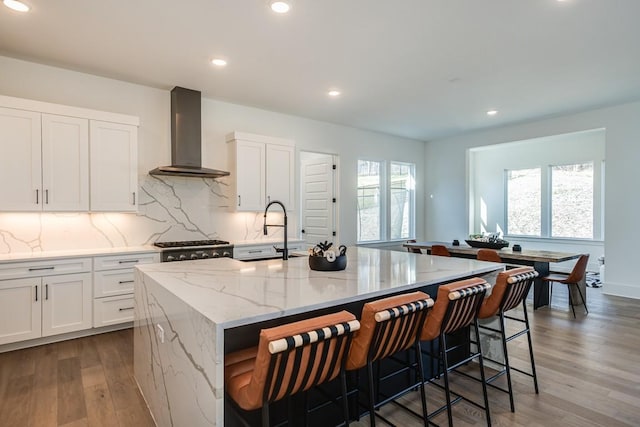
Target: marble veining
{"points": [[170, 208], [182, 378]]}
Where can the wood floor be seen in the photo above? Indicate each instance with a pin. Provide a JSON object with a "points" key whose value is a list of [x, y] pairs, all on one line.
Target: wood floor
{"points": [[588, 369]]}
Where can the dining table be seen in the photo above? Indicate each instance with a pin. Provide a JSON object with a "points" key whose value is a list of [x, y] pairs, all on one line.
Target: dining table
{"points": [[538, 259]]}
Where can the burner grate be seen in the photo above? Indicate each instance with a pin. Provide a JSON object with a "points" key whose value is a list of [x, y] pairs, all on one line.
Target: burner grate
{"points": [[189, 243]]}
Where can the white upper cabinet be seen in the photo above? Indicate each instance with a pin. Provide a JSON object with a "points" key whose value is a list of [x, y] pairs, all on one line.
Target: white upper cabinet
{"points": [[114, 166], [57, 158], [20, 160], [65, 163], [263, 170]]}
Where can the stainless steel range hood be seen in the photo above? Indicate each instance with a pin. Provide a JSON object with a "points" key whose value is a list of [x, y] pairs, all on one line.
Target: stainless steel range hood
{"points": [[186, 137]]}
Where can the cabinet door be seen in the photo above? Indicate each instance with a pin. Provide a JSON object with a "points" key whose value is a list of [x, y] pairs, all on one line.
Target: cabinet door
{"points": [[20, 309], [280, 171], [20, 161], [113, 166], [67, 303], [65, 163], [250, 175]]}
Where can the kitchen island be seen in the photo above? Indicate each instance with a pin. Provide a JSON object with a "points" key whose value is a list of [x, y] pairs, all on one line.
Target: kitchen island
{"points": [[189, 314]]}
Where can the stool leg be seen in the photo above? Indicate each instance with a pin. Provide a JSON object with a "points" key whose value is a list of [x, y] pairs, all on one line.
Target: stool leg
{"points": [[425, 414], [345, 403], [482, 376], [503, 337], [533, 363], [372, 412], [447, 391], [265, 415]]}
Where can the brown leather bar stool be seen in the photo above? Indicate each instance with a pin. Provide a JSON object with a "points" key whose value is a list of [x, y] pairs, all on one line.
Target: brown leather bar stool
{"points": [[488, 255], [576, 276], [509, 292], [456, 308], [440, 250], [290, 359], [389, 326]]}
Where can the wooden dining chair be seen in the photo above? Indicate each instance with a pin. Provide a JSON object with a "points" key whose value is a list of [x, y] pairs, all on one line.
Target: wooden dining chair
{"points": [[414, 250], [290, 359], [573, 279], [440, 250], [488, 255]]}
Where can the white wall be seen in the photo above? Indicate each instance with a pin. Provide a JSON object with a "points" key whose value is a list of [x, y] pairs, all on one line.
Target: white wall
{"points": [[446, 179], [180, 208]]}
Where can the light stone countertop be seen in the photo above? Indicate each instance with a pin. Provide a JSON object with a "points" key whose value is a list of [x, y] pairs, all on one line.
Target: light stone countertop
{"points": [[232, 293], [73, 253]]}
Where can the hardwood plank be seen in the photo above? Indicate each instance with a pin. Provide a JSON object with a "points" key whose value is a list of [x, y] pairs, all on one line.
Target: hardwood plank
{"points": [[44, 398], [100, 410], [71, 403]]}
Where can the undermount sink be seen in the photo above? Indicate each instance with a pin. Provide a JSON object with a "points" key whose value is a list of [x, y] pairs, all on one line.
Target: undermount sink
{"points": [[270, 258]]}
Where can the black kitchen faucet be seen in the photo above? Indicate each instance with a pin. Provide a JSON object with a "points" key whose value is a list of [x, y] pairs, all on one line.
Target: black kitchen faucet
{"points": [[284, 250]]}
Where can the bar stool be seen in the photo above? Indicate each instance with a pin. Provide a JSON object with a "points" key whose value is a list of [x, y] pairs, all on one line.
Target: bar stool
{"points": [[576, 276], [440, 250], [456, 308], [510, 290], [290, 359], [387, 327]]}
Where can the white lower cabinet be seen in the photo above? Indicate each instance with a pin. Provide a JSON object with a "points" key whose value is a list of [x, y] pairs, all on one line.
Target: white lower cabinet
{"points": [[113, 287], [34, 307], [265, 250]]}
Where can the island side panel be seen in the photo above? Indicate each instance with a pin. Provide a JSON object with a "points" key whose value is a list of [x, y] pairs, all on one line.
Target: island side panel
{"points": [[181, 378]]}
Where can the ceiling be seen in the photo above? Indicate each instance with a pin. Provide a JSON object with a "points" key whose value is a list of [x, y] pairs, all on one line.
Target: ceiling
{"points": [[422, 69]]}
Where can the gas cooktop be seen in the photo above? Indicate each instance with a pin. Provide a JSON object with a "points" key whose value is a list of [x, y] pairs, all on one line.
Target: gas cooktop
{"points": [[189, 243]]}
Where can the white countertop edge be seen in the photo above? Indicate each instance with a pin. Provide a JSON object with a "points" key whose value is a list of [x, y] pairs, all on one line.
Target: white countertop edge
{"points": [[73, 253], [356, 298]]}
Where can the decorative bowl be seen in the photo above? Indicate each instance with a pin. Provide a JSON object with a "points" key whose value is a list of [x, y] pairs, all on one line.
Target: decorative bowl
{"points": [[486, 245], [320, 263]]}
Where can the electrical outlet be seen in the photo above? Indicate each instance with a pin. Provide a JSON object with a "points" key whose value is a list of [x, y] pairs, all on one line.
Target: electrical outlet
{"points": [[160, 332]]}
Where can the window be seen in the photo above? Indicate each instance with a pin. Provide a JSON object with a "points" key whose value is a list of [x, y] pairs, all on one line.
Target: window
{"points": [[572, 201], [386, 201], [565, 210], [523, 202]]}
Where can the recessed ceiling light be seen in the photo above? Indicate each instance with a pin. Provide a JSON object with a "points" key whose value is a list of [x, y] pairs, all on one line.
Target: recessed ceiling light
{"points": [[16, 5], [280, 6], [219, 62], [492, 112], [333, 93]]}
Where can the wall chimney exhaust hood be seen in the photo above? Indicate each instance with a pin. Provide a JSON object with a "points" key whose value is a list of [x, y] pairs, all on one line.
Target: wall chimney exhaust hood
{"points": [[186, 137]]}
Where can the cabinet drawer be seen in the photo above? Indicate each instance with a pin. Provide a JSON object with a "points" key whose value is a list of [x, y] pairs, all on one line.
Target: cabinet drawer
{"points": [[112, 282], [112, 310], [113, 262], [15, 270], [251, 252]]}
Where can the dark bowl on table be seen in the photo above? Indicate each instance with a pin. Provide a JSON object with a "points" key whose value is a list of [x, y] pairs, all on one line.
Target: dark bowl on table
{"points": [[486, 245], [320, 263]]}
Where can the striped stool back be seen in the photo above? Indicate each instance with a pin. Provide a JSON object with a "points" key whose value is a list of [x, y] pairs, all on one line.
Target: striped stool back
{"points": [[456, 307], [290, 359]]}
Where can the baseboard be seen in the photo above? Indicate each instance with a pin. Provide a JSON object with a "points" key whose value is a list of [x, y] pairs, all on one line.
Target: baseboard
{"points": [[621, 290], [63, 337]]}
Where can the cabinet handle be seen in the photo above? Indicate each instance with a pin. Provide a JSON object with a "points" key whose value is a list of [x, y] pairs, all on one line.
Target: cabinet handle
{"points": [[41, 268], [125, 308], [257, 251], [128, 261], [46, 291], [37, 197], [46, 196], [239, 200], [36, 292], [268, 199], [122, 282], [134, 197]]}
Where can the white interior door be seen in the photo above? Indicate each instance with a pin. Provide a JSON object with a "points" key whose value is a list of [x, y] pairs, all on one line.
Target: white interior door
{"points": [[317, 190]]}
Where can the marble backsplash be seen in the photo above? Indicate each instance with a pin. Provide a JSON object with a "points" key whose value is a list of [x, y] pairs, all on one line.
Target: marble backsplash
{"points": [[170, 208]]}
